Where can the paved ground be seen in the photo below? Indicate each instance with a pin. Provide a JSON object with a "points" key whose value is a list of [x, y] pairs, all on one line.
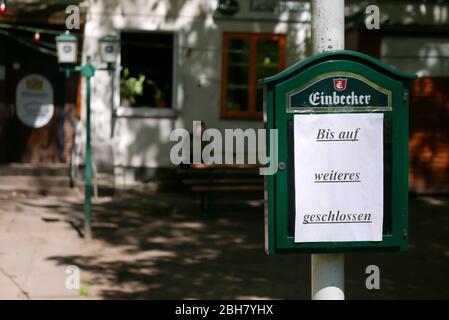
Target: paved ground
{"points": [[150, 246]]}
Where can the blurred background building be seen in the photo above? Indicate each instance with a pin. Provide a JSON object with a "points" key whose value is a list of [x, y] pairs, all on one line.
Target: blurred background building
{"points": [[188, 60]]}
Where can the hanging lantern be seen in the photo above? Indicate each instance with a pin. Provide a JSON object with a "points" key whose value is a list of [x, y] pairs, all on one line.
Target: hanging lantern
{"points": [[228, 7], [109, 49], [67, 47]]}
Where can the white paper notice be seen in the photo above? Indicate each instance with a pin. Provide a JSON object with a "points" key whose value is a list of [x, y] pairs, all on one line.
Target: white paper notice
{"points": [[338, 177]]}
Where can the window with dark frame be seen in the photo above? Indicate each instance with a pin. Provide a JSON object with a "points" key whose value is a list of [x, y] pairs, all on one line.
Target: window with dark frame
{"points": [[248, 57], [146, 77]]}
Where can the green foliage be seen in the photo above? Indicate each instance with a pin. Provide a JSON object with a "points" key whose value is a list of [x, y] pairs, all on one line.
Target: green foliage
{"points": [[84, 290], [130, 87]]}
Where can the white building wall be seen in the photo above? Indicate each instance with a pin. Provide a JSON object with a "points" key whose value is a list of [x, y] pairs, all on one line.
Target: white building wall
{"points": [[144, 141], [404, 12], [427, 57]]}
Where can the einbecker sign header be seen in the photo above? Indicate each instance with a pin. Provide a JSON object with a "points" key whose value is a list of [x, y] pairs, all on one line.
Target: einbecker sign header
{"points": [[342, 89]]}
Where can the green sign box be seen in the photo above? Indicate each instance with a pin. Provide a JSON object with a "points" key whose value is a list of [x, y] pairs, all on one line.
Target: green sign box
{"points": [[328, 83]]}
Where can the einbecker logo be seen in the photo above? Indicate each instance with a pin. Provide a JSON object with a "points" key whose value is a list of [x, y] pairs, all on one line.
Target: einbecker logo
{"points": [[340, 83], [333, 91]]}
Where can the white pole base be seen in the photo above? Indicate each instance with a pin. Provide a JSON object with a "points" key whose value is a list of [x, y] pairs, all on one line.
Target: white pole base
{"points": [[328, 277]]}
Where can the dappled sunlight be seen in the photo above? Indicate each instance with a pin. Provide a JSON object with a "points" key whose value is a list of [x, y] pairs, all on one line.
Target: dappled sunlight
{"points": [[255, 203], [168, 233], [405, 12], [142, 141], [435, 201], [158, 245], [189, 225], [252, 298]]}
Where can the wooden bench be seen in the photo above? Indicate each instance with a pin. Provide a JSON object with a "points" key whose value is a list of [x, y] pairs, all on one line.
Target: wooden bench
{"points": [[207, 180]]}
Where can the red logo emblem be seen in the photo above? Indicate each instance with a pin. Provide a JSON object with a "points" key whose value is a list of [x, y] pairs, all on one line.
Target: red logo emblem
{"points": [[340, 83]]}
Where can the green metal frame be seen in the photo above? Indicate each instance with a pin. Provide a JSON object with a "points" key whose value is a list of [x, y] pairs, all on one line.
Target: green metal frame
{"points": [[276, 117]]}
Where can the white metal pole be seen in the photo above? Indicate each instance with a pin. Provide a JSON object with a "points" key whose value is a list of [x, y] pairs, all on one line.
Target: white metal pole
{"points": [[328, 25], [328, 33], [328, 276]]}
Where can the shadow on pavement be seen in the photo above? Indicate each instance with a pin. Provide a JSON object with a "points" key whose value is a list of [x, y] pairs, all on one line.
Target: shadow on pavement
{"points": [[164, 248], [158, 246]]}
